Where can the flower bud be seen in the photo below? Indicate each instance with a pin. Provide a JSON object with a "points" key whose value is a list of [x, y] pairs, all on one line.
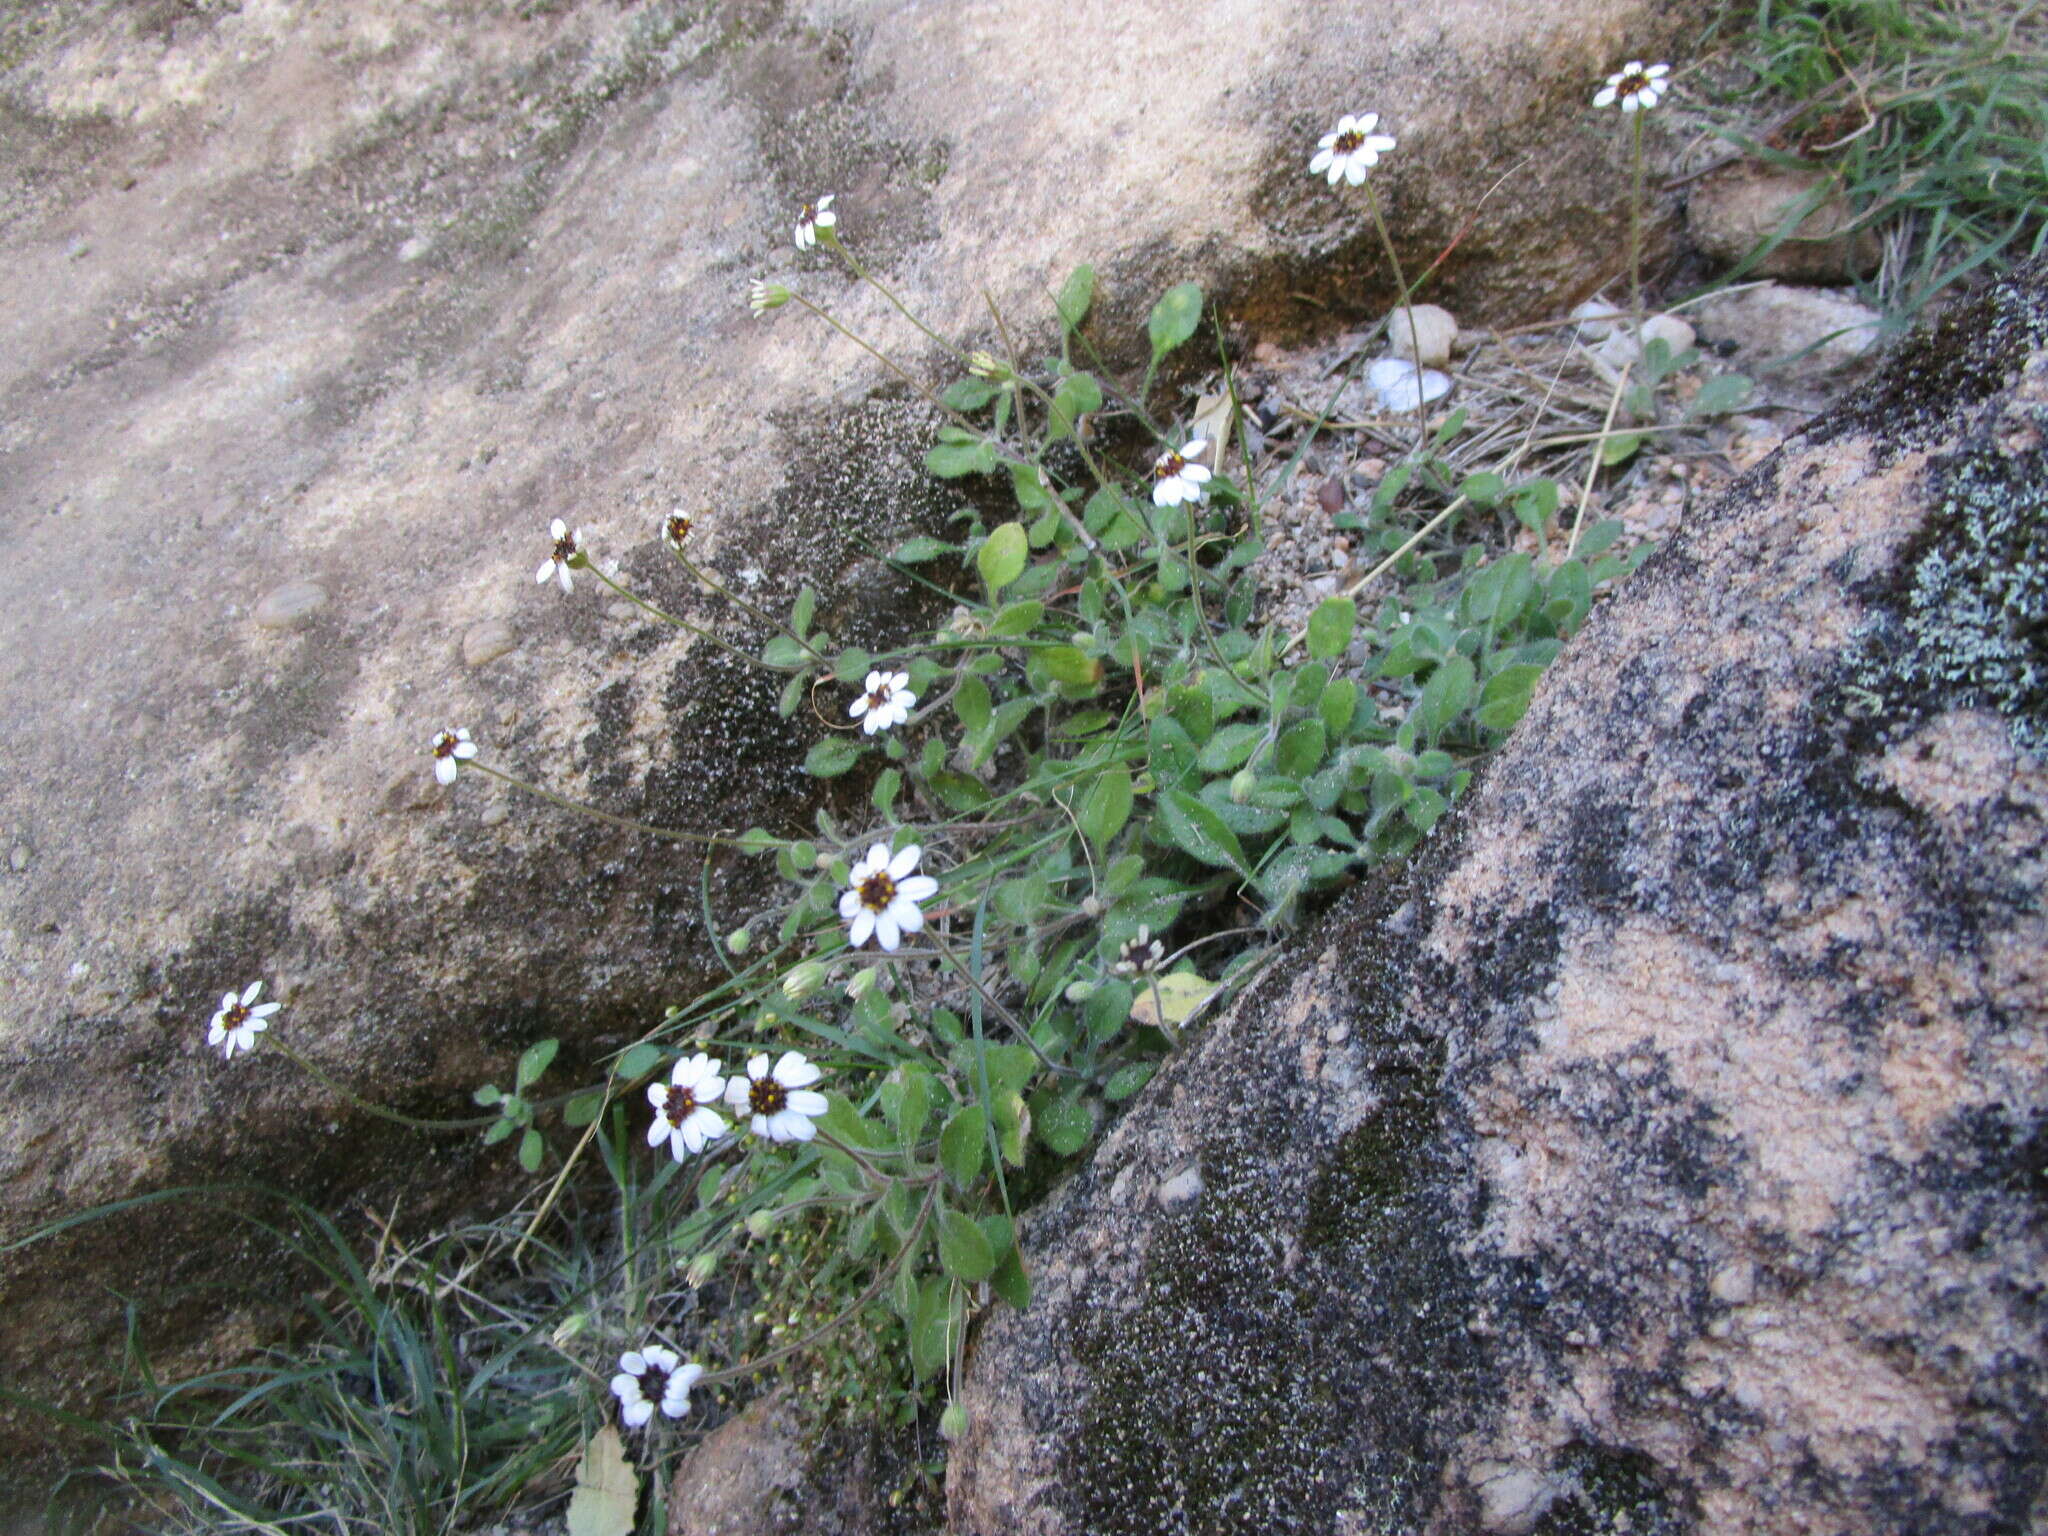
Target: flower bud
{"points": [[700, 1270], [1241, 785], [1091, 906], [862, 984], [953, 1422], [986, 365], [763, 296], [1080, 991], [739, 941], [803, 980], [760, 1224]]}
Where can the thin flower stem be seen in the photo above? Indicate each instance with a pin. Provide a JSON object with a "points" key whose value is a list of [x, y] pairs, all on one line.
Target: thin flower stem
{"points": [[628, 822], [884, 359], [903, 309], [1593, 461], [1635, 225], [1372, 201], [737, 601], [335, 1085], [683, 624], [946, 951]]}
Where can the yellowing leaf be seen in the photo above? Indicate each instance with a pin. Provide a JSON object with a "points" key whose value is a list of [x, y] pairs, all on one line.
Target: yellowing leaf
{"points": [[607, 1491], [1178, 995]]}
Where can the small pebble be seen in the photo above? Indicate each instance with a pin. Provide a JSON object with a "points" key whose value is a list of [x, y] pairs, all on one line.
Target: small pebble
{"points": [[1596, 319], [494, 815], [1331, 496], [1182, 1187], [487, 640], [290, 605], [1435, 330], [623, 611], [17, 857], [1669, 329]]}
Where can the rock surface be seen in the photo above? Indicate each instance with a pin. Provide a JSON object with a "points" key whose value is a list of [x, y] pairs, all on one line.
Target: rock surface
{"points": [[1732, 212], [364, 295], [1667, 1150], [1801, 334]]}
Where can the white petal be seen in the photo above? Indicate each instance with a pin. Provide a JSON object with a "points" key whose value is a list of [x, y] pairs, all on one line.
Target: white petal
{"points": [[900, 681], [228, 1000], [905, 861], [661, 1356], [887, 931], [636, 1414], [858, 707], [465, 748], [826, 201], [562, 575], [265, 1011], [557, 529], [904, 915], [759, 1125], [215, 1033], [788, 1125], [635, 1362], [736, 1091], [757, 1065], [251, 992], [875, 722], [444, 769], [657, 1131], [700, 1130], [1355, 172], [793, 1071], [863, 926], [849, 904], [547, 569], [1604, 97], [625, 1388], [1195, 473], [875, 680], [1321, 162], [805, 1102], [919, 888], [1367, 121], [1194, 447]]}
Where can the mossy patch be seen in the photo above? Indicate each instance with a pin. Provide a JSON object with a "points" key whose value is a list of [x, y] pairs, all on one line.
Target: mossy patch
{"points": [[1969, 626]]}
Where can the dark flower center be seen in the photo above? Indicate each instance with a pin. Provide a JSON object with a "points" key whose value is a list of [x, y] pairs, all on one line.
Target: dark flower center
{"points": [[877, 891], [1634, 84], [654, 1382], [765, 1096], [678, 528], [680, 1104], [1168, 466], [880, 695], [444, 745], [1348, 141], [234, 1016], [565, 546]]}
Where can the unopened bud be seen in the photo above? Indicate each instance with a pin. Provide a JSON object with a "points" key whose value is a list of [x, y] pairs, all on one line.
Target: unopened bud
{"points": [[760, 1224], [1091, 907], [1241, 785], [986, 365], [763, 296], [803, 980], [953, 1422], [1080, 991], [700, 1270], [862, 984], [739, 941]]}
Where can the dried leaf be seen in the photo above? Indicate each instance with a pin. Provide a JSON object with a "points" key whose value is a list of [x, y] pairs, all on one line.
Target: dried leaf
{"points": [[607, 1490], [1179, 995]]}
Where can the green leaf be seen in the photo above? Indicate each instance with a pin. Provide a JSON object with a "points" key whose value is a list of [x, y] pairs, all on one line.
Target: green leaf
{"points": [[583, 1108], [792, 696], [1200, 831], [971, 704], [1620, 446], [964, 1249], [1070, 665], [913, 1105], [1106, 1010], [831, 757], [922, 550], [850, 666], [1719, 395], [1535, 503], [1062, 1121], [1002, 555], [1128, 1080], [969, 394], [1014, 619], [1077, 395], [1299, 751], [532, 1151], [1000, 1231], [887, 785], [1229, 747], [1010, 1282], [951, 458], [639, 1060], [1445, 694], [488, 1095], [1599, 538], [499, 1130], [1075, 295], [1330, 626], [536, 1060], [1106, 806], [1174, 318], [936, 1328], [1505, 698], [802, 610], [1484, 489], [963, 1143], [783, 653], [1338, 704], [1110, 518]]}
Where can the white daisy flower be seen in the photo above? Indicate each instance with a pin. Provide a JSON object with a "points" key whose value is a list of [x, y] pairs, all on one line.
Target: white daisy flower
{"points": [[763, 295], [816, 216], [884, 896], [568, 552], [239, 1021], [886, 704], [1352, 150], [1635, 88], [1140, 956], [683, 1116], [780, 1103], [1176, 477], [451, 750], [652, 1377], [675, 529]]}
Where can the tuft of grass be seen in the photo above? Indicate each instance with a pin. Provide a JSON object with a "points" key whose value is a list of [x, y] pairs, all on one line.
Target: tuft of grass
{"points": [[1930, 117]]}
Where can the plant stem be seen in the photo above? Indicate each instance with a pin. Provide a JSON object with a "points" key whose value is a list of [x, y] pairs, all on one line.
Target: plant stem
{"points": [[1372, 201], [1635, 226], [683, 624], [737, 601]]}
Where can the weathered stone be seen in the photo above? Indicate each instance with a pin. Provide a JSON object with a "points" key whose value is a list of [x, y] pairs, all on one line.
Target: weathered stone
{"points": [[1686, 1157], [732, 1483], [290, 605], [1435, 331], [382, 288], [488, 639], [1804, 334], [1732, 212]]}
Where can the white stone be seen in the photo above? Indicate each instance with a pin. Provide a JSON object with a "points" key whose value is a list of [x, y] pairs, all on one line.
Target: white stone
{"points": [[1436, 331], [290, 605]]}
